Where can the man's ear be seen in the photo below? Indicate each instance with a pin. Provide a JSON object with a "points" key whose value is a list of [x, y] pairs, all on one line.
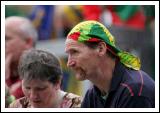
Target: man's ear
{"points": [[29, 42], [101, 48]]}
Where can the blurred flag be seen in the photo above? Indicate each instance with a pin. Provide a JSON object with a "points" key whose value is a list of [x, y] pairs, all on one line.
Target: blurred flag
{"points": [[91, 12], [127, 15], [42, 17]]}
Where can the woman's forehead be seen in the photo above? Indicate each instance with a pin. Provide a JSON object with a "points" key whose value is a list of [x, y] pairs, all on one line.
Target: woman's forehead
{"points": [[35, 82]]}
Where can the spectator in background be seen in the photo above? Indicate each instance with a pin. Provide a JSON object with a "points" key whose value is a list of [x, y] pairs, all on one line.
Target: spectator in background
{"points": [[116, 75], [41, 76], [20, 35]]}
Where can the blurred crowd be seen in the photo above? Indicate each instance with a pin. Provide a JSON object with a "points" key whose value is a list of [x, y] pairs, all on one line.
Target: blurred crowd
{"points": [[55, 21]]}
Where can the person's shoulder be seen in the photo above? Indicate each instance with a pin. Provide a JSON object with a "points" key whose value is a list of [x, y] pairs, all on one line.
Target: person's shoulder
{"points": [[76, 99], [134, 77], [91, 90], [20, 103], [137, 83], [72, 100]]}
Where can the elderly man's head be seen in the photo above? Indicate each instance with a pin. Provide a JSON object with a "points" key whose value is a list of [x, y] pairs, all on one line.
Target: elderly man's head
{"points": [[19, 35]]}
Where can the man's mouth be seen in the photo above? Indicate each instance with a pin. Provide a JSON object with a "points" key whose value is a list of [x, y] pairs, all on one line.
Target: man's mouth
{"points": [[36, 101], [77, 70]]}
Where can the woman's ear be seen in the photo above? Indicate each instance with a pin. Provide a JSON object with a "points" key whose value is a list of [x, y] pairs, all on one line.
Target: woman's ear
{"points": [[58, 85], [101, 48]]}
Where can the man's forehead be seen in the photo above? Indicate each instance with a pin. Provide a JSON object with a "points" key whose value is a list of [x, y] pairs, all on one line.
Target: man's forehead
{"points": [[13, 31], [70, 43]]}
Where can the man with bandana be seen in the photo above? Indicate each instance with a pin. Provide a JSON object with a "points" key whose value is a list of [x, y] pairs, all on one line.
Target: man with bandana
{"points": [[117, 79]]}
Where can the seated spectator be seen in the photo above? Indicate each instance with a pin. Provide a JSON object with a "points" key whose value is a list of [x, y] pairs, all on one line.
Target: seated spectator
{"points": [[20, 35], [41, 76]]}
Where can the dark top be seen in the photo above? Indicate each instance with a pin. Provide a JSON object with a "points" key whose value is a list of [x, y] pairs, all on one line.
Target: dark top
{"points": [[129, 89]]}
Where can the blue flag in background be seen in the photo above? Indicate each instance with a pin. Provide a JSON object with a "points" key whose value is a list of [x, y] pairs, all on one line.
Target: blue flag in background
{"points": [[42, 17]]}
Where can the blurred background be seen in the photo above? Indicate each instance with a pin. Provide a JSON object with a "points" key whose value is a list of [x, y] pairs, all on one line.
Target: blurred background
{"points": [[132, 26]]}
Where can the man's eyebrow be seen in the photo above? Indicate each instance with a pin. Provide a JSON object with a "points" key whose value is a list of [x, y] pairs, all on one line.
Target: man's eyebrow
{"points": [[72, 49], [68, 50]]}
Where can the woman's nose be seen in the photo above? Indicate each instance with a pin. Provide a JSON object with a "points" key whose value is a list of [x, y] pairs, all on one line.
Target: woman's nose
{"points": [[33, 94]]}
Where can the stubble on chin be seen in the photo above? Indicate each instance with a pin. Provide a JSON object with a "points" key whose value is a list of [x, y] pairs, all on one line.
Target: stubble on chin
{"points": [[80, 75]]}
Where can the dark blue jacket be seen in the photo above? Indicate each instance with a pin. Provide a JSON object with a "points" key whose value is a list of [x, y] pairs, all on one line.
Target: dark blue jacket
{"points": [[129, 89]]}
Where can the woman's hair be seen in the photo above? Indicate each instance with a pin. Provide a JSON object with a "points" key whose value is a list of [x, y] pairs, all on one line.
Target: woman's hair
{"points": [[39, 64]]}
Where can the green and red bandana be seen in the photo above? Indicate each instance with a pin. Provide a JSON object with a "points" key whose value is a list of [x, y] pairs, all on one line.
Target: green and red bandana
{"points": [[93, 31]]}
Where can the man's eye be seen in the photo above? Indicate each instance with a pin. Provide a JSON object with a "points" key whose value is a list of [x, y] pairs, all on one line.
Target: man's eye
{"points": [[74, 51], [27, 88]]}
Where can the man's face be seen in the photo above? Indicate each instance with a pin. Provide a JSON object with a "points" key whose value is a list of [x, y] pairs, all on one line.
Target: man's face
{"points": [[14, 42], [81, 59], [40, 93]]}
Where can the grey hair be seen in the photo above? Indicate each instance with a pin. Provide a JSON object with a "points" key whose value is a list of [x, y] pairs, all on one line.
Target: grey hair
{"points": [[39, 64], [26, 27]]}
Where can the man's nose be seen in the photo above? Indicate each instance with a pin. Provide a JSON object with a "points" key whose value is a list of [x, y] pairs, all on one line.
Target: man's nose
{"points": [[71, 62]]}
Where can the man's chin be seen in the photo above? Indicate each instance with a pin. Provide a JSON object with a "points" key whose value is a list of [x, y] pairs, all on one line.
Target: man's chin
{"points": [[80, 77]]}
